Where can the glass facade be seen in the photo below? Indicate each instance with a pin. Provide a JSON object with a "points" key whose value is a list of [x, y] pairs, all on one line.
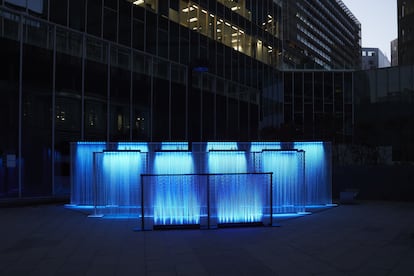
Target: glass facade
{"points": [[120, 71], [318, 105], [149, 70], [320, 34], [384, 110]]}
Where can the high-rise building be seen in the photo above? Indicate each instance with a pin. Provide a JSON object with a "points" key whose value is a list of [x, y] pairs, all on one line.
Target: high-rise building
{"points": [[405, 32], [152, 70], [373, 58], [394, 52], [320, 34]]}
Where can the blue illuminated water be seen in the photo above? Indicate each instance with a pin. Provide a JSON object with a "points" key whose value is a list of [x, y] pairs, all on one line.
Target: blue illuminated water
{"points": [[82, 171], [141, 146], [260, 146], [239, 198], [119, 183], [317, 172], [235, 197], [174, 146], [288, 179], [222, 146], [176, 198], [227, 162]]}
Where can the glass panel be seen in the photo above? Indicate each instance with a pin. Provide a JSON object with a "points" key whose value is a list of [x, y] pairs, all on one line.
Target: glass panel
{"points": [[9, 117], [94, 25], [37, 126], [77, 14]]}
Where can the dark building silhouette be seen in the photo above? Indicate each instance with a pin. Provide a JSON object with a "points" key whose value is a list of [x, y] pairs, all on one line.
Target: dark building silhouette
{"points": [[405, 32]]}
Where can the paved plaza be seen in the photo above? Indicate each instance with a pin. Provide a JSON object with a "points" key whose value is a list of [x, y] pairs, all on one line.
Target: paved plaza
{"points": [[369, 238]]}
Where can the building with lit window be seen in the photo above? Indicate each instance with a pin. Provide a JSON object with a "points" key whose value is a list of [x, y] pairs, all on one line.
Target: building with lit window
{"points": [[321, 34], [121, 70], [405, 32]]}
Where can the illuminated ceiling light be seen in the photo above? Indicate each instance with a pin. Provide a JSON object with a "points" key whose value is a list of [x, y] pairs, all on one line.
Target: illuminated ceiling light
{"points": [[264, 23], [234, 40], [234, 27], [235, 8], [139, 2], [195, 6], [269, 21], [241, 31], [193, 19], [227, 23], [212, 15], [188, 9], [204, 11], [234, 34], [269, 16], [219, 30]]}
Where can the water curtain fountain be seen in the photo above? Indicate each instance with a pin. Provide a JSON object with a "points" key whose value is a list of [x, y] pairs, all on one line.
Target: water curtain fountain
{"points": [[117, 182], [166, 184], [318, 173]]}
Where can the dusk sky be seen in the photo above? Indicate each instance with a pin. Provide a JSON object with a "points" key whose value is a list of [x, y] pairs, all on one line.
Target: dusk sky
{"points": [[378, 22]]}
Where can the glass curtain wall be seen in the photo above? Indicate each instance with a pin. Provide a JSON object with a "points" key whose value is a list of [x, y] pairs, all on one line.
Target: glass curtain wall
{"points": [[62, 85], [318, 105]]}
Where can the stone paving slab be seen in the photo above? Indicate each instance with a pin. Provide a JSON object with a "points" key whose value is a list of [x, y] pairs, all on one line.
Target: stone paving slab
{"points": [[370, 238]]}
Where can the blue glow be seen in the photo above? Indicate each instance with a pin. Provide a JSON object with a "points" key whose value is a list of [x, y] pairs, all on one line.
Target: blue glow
{"points": [[288, 179], [317, 172], [174, 146], [176, 181], [239, 198], [173, 162], [82, 171], [141, 146], [176, 199], [260, 146], [222, 146], [227, 162], [119, 181]]}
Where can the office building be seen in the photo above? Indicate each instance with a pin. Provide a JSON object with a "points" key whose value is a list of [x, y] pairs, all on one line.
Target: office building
{"points": [[120, 70], [373, 58], [405, 32], [321, 34]]}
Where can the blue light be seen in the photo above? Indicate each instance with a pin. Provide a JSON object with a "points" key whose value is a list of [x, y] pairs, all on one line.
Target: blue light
{"points": [[174, 146], [227, 162], [288, 179], [222, 146], [239, 198], [177, 184], [141, 146], [119, 181], [173, 162], [176, 199], [260, 146], [82, 171], [317, 173]]}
